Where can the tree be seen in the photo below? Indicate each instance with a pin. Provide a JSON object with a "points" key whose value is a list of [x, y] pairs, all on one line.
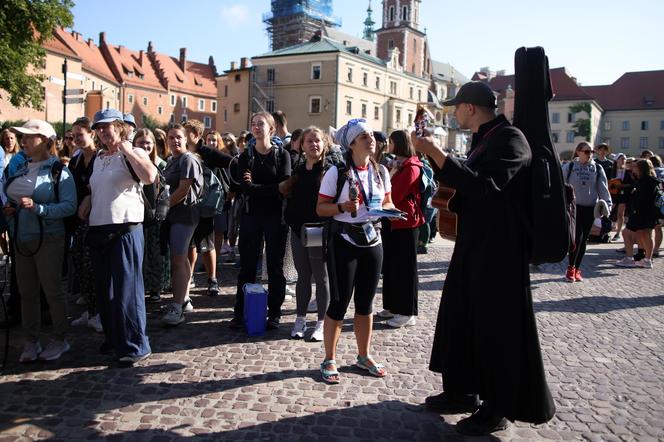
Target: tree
{"points": [[582, 125], [24, 26]]}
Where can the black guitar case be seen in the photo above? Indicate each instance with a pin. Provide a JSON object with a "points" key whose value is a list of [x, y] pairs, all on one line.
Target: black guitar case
{"points": [[552, 223]]}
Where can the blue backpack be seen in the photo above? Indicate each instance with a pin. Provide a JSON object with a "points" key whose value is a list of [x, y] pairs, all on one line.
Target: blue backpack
{"points": [[213, 195], [428, 185]]}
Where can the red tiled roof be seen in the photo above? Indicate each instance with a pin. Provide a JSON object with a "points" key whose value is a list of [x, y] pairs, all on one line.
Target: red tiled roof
{"points": [[198, 78], [564, 86], [93, 60], [133, 67], [55, 45], [632, 91]]}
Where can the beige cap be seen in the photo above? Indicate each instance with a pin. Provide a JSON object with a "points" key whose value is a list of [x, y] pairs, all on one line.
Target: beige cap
{"points": [[36, 127]]}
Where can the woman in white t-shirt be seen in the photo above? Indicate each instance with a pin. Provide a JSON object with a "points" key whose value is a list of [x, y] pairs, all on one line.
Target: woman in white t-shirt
{"points": [[114, 210], [354, 245]]}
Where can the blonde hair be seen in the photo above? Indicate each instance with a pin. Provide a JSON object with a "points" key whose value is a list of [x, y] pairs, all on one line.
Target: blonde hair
{"points": [[269, 118], [147, 133], [315, 129], [9, 149], [194, 126]]}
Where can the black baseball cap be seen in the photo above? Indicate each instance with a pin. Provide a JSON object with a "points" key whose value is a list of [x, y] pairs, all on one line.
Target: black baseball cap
{"points": [[474, 92]]}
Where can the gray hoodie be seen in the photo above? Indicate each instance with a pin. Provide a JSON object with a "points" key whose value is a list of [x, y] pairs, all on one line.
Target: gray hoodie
{"points": [[589, 182]]}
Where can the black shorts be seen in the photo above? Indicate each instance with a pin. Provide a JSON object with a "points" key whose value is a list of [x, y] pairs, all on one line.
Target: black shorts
{"points": [[203, 238]]}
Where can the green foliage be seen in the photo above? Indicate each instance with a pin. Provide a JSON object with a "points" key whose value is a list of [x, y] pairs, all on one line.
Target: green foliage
{"points": [[152, 123], [566, 155], [26, 25], [58, 127], [8, 123], [582, 125]]}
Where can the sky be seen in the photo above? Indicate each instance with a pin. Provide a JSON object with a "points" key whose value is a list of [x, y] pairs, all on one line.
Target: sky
{"points": [[596, 40]]}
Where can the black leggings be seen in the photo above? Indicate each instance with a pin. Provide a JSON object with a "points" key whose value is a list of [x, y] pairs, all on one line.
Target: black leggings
{"points": [[354, 268], [584, 222]]}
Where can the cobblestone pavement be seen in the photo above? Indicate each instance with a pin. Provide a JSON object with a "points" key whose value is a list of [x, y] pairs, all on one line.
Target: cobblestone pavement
{"points": [[602, 340]]}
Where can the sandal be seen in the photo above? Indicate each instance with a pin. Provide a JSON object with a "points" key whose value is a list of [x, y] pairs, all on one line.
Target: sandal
{"points": [[377, 370], [328, 375]]}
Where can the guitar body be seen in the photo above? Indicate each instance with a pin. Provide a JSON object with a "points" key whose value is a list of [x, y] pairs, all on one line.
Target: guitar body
{"points": [[614, 186], [447, 220]]}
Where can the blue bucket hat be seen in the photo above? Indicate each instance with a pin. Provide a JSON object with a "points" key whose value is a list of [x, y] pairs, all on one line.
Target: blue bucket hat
{"points": [[107, 116], [129, 118]]}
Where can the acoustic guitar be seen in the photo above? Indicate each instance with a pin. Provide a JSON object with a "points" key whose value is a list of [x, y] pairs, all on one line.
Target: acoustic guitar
{"points": [[615, 185], [447, 220]]}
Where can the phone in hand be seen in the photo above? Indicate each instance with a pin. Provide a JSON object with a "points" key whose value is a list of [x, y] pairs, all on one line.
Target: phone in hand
{"points": [[423, 118]]}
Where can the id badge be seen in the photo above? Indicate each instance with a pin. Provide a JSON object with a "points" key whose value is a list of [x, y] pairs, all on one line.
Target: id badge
{"points": [[375, 203], [369, 232]]}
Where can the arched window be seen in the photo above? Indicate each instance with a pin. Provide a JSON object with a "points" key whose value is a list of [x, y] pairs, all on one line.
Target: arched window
{"points": [[404, 14], [391, 14]]}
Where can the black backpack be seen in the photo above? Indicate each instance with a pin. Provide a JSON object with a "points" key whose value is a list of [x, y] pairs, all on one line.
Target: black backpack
{"points": [[156, 197], [552, 234]]}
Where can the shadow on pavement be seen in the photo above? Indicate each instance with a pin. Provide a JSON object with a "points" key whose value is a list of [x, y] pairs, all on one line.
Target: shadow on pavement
{"points": [[598, 304]]}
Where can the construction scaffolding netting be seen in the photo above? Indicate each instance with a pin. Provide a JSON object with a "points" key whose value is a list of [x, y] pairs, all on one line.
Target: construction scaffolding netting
{"points": [[316, 9]]}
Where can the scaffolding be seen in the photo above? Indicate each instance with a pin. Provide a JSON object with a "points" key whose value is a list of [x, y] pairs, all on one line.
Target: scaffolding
{"points": [[295, 21]]}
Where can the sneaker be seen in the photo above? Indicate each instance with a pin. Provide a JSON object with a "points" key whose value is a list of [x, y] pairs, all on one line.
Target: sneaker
{"points": [[174, 315], [83, 320], [31, 352], [273, 323], [154, 298], [299, 328], [645, 263], [481, 423], [577, 275], [422, 250], [571, 271], [401, 321], [626, 262], [385, 314], [95, 324], [188, 307], [226, 249], [54, 350], [192, 284], [213, 287], [616, 237], [312, 307], [131, 360], [81, 300], [317, 335], [290, 293], [445, 403]]}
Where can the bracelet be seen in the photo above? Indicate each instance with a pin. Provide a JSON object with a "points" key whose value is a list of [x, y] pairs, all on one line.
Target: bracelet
{"points": [[341, 209]]}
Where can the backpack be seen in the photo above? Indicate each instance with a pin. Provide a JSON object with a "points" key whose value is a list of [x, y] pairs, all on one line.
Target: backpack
{"points": [[659, 200], [428, 185], [551, 209], [156, 197], [212, 195]]}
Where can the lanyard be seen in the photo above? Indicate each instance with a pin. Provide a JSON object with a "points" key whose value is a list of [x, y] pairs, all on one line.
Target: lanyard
{"points": [[481, 146], [359, 182]]}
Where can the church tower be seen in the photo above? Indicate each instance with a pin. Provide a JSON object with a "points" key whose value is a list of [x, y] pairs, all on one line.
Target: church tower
{"points": [[401, 29]]}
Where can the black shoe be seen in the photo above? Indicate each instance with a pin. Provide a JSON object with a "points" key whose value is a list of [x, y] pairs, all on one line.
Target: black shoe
{"points": [[422, 250], [273, 323], [445, 403], [154, 298], [640, 255], [106, 348], [213, 287], [236, 324], [481, 423]]}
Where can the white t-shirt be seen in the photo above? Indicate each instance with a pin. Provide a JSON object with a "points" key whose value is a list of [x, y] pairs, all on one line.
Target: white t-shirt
{"points": [[24, 186], [381, 187], [116, 196]]}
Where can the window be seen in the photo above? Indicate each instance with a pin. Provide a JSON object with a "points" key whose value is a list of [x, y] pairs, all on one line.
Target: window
{"points": [[201, 104], [645, 125], [390, 44], [184, 101], [607, 125], [571, 118], [419, 95], [271, 75], [393, 87], [410, 93], [238, 78], [226, 90], [365, 79], [661, 143], [184, 118], [624, 143], [555, 136], [145, 101], [269, 105], [349, 107], [570, 136], [93, 85], [643, 142], [410, 119], [350, 74], [173, 99], [397, 117], [364, 110], [404, 13], [172, 119], [207, 122], [378, 85], [315, 72], [236, 107], [213, 103], [314, 105], [661, 125], [391, 13], [625, 125], [130, 98], [225, 115], [376, 112], [160, 110], [555, 118]]}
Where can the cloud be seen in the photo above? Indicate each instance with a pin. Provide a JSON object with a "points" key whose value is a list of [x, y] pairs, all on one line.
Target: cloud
{"points": [[235, 15]]}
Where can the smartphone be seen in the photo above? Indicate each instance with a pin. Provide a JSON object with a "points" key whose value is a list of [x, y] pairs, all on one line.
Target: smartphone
{"points": [[423, 119]]}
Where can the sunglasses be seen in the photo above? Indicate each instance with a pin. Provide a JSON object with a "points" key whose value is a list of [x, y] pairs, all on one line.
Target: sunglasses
{"points": [[69, 138], [588, 152]]}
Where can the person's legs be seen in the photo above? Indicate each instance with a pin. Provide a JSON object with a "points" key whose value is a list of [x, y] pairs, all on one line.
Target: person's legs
{"points": [[181, 269], [584, 222], [630, 239], [101, 264], [250, 242], [645, 241], [658, 238], [48, 262], [303, 286], [319, 270], [620, 220], [276, 235], [28, 285], [366, 279], [403, 265]]}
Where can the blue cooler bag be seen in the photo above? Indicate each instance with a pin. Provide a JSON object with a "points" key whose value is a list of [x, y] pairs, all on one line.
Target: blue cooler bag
{"points": [[255, 309]]}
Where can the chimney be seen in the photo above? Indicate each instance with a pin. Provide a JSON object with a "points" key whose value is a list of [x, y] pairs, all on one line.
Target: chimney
{"points": [[140, 57], [102, 38], [150, 47], [213, 67], [90, 42], [243, 63], [183, 58], [233, 66]]}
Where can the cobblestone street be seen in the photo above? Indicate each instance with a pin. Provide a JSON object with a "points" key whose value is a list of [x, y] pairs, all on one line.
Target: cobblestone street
{"points": [[602, 342]]}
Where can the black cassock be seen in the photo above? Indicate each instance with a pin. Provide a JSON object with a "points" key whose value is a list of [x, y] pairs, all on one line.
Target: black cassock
{"points": [[486, 339]]}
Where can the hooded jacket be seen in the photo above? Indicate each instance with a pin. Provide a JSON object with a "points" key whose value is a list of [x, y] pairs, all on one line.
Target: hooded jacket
{"points": [[589, 182]]}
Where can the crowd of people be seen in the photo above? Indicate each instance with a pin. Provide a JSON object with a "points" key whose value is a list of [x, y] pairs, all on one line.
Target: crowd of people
{"points": [[87, 210]]}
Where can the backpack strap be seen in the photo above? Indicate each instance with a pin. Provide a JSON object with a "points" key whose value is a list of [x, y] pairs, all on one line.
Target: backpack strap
{"points": [[342, 172], [56, 173], [131, 169], [570, 167]]}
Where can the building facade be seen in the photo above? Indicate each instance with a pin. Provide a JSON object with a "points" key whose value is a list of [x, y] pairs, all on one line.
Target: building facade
{"points": [[234, 94]]}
